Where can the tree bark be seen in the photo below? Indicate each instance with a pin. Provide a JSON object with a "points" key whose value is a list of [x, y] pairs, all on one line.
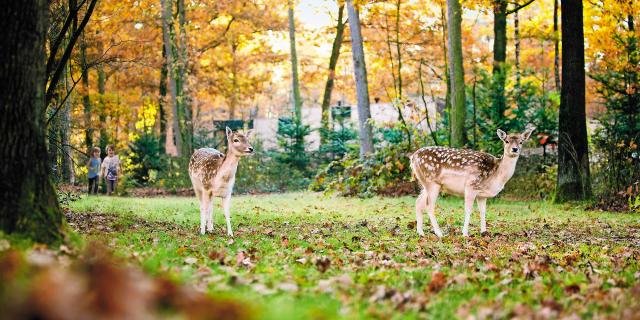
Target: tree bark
{"points": [[360, 73], [458, 110], [29, 203], [173, 143], [556, 46], [573, 149], [297, 100], [333, 62]]}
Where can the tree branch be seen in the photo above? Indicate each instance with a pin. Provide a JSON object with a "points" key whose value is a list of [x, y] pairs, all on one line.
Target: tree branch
{"points": [[56, 44], [219, 40], [67, 53], [519, 6]]}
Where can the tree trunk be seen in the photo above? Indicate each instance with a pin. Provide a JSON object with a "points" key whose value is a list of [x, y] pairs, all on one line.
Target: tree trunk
{"points": [[333, 62], [573, 150], [161, 123], [297, 100], [447, 100], [86, 101], [398, 3], [499, 60], [68, 171], [29, 203], [182, 89], [173, 142], [458, 111], [360, 73], [556, 45], [104, 136], [233, 103], [516, 39]]}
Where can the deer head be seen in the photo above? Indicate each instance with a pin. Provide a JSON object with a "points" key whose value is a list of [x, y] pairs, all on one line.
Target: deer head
{"points": [[513, 142], [238, 143]]}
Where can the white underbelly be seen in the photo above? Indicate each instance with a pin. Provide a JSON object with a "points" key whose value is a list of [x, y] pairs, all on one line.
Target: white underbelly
{"points": [[452, 183]]}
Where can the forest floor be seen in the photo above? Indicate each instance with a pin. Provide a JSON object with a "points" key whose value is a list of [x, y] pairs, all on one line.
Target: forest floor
{"points": [[305, 255]]}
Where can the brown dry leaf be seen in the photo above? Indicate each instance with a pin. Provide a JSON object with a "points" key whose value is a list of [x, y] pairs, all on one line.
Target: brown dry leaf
{"points": [[322, 264], [438, 281]]}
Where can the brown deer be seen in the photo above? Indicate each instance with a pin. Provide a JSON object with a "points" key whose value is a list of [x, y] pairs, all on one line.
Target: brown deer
{"points": [[213, 175], [472, 174]]}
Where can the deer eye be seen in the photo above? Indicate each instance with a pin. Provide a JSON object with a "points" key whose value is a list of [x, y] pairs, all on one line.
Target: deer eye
{"points": [[236, 140]]}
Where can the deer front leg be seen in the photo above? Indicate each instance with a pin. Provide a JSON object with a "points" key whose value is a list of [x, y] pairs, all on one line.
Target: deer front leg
{"points": [[469, 198], [226, 203], [210, 216], [205, 203], [482, 207]]}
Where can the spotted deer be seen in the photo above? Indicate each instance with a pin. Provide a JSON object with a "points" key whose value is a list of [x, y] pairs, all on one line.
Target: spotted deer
{"points": [[213, 174], [472, 174]]}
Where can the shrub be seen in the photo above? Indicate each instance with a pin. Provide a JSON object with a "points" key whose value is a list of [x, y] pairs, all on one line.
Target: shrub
{"points": [[145, 160], [534, 178], [386, 172], [261, 173]]}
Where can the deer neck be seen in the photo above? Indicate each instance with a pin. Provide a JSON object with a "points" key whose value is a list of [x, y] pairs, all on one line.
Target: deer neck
{"points": [[229, 165], [506, 168]]}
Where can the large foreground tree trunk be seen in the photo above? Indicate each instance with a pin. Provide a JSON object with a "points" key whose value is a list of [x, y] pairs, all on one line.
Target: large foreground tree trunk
{"points": [[573, 148], [333, 62], [362, 86], [28, 201], [456, 69]]}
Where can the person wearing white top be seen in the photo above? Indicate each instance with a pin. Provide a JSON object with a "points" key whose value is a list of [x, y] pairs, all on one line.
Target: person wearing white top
{"points": [[111, 169]]}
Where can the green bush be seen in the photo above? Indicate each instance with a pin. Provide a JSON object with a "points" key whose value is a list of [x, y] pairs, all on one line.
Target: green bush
{"points": [[145, 160], [386, 172], [262, 173], [534, 178]]}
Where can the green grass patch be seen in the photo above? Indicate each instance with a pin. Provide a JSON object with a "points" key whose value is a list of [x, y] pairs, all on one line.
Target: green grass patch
{"points": [[305, 255]]}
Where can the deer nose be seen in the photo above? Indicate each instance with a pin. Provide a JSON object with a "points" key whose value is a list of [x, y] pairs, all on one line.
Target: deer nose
{"points": [[250, 149], [514, 149]]}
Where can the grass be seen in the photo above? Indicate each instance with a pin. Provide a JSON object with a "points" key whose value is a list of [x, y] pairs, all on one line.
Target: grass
{"points": [[305, 255]]}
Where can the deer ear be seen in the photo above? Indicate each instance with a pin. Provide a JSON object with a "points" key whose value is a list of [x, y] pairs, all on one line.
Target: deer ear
{"points": [[527, 133], [249, 133], [229, 132], [502, 135]]}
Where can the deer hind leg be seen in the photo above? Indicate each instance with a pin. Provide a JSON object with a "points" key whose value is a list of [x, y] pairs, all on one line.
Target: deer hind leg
{"points": [[421, 204], [433, 190], [469, 199], [482, 207]]}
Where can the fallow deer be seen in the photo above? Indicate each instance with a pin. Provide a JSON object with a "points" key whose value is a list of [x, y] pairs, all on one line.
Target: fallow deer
{"points": [[472, 174], [213, 175]]}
